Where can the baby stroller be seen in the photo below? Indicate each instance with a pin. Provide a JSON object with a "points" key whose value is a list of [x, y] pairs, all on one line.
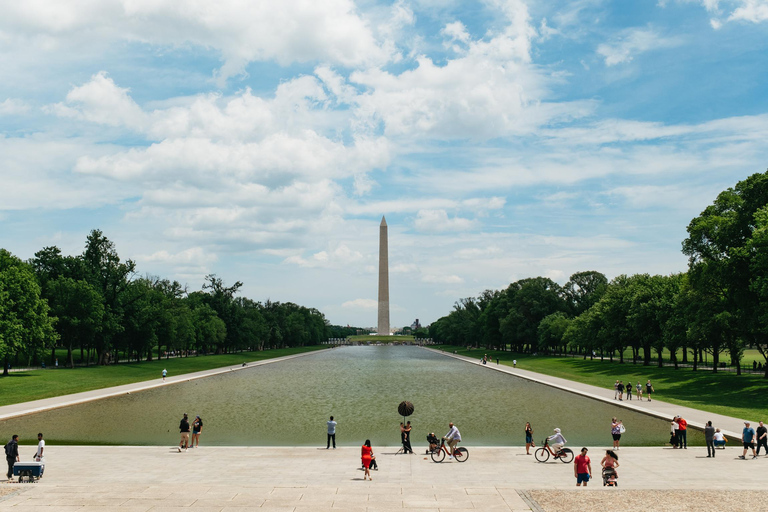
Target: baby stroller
{"points": [[434, 443], [610, 478]]}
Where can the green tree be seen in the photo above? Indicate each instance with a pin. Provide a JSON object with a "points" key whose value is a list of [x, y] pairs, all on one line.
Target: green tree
{"points": [[25, 326], [722, 260]]}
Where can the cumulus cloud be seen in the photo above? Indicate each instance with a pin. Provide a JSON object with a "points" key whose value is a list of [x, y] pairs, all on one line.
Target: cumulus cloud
{"points": [[242, 32], [436, 221], [13, 106], [632, 42]]}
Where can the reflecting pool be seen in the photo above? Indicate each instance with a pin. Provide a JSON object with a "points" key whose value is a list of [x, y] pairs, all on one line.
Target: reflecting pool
{"points": [[288, 403]]}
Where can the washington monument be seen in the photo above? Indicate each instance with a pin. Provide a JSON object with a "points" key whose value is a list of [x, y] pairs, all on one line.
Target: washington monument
{"points": [[383, 328]]}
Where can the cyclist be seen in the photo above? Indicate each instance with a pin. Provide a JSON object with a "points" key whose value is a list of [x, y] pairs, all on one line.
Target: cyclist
{"points": [[452, 437], [557, 441]]}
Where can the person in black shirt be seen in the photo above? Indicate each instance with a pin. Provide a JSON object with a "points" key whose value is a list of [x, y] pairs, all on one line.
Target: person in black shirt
{"points": [[12, 454], [762, 438], [184, 429], [621, 390]]}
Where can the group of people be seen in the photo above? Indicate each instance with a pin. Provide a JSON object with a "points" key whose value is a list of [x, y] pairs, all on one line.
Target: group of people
{"points": [[368, 459], [619, 390], [752, 439], [184, 428], [679, 433], [582, 467], [12, 452]]}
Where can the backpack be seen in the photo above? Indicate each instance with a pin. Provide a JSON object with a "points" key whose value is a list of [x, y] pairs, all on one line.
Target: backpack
{"points": [[9, 449]]}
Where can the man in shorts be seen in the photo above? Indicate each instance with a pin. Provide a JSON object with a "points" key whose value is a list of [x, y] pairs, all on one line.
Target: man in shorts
{"points": [[747, 437], [582, 468], [648, 389]]}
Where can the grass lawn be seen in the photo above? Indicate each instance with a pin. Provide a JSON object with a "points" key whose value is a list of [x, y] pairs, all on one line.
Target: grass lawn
{"points": [[725, 393], [20, 387]]}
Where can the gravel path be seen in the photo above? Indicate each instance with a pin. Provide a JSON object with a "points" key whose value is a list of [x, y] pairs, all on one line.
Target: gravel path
{"points": [[650, 501]]}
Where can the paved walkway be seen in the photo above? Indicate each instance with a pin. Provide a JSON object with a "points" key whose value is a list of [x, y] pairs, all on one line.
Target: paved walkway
{"points": [[696, 418], [95, 478]]}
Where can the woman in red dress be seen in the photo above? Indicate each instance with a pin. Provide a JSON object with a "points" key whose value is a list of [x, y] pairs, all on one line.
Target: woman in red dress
{"points": [[366, 454]]}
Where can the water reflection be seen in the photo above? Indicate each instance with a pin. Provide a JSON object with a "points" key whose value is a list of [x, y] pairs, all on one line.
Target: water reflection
{"points": [[288, 403]]}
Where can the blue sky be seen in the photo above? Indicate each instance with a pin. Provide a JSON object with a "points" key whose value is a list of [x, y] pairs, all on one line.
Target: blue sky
{"points": [[263, 141]]}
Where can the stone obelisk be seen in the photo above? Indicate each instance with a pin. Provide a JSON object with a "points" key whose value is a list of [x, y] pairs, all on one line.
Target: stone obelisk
{"points": [[383, 328]]}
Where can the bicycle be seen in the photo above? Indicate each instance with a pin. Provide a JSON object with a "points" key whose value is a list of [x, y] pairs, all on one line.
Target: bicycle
{"points": [[542, 454], [459, 453]]}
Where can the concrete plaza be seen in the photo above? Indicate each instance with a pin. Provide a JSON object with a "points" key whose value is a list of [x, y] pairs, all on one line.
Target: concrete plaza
{"points": [[301, 479]]}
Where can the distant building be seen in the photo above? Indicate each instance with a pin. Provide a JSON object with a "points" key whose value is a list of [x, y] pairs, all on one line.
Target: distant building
{"points": [[416, 325]]}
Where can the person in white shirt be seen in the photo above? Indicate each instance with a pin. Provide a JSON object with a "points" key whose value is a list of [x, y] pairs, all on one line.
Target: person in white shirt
{"points": [[453, 437], [40, 447], [557, 441]]}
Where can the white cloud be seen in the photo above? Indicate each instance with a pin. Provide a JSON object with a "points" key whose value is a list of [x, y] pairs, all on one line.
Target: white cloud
{"points": [[755, 11], [288, 31], [13, 107], [632, 42], [364, 304], [436, 221]]}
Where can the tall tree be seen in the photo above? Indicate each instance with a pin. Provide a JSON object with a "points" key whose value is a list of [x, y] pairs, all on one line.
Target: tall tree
{"points": [[25, 326], [721, 258]]}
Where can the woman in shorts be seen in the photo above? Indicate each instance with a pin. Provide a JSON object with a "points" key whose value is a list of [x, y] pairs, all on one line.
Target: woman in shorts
{"points": [[616, 432], [197, 428], [528, 438]]}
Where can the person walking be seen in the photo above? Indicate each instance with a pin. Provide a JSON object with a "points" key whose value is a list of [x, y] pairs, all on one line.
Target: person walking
{"points": [[682, 433], [616, 432], [648, 389], [197, 429], [165, 372], [331, 434], [629, 390], [366, 454], [709, 437], [621, 391], [184, 431], [40, 448], [616, 390], [582, 468], [528, 438], [639, 388], [609, 464], [762, 438], [12, 454], [748, 438]]}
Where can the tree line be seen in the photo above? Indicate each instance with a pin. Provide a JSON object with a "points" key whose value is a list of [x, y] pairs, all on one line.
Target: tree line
{"points": [[720, 305], [95, 304]]}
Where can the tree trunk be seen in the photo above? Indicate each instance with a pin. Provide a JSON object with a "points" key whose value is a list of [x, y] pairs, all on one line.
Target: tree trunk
{"points": [[715, 360], [5, 367], [685, 354]]}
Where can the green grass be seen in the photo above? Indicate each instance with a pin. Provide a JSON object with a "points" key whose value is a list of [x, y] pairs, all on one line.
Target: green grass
{"points": [[20, 387], [739, 396]]}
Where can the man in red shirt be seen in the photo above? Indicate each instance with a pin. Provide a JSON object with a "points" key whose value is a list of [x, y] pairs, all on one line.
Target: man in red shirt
{"points": [[682, 432], [582, 468]]}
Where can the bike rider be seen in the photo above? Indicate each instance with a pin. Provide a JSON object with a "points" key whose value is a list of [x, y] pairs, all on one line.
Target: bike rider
{"points": [[557, 441], [452, 437]]}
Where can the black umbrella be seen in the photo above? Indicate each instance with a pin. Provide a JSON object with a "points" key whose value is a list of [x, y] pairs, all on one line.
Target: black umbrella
{"points": [[405, 408]]}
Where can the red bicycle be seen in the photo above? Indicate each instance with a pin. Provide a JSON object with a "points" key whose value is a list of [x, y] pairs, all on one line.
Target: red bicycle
{"points": [[542, 454], [459, 453]]}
